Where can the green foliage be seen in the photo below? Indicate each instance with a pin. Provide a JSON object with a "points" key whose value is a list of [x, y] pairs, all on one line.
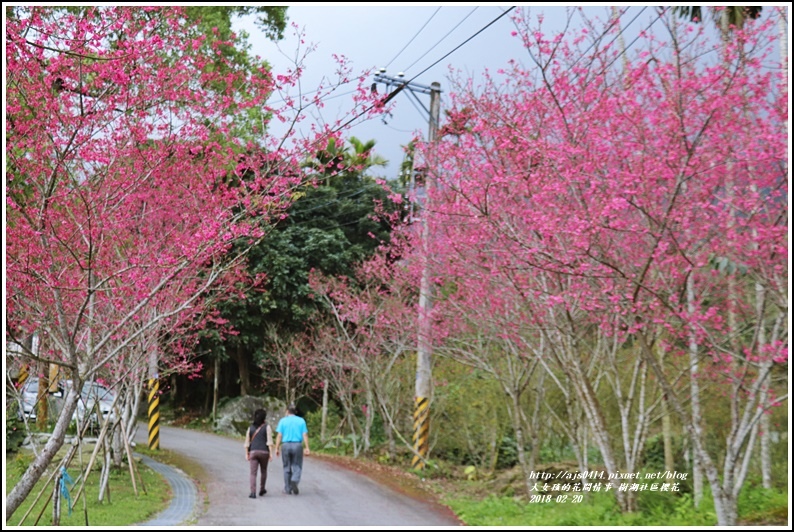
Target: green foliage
{"points": [[337, 444], [470, 472], [16, 465], [434, 469], [653, 454], [471, 409], [329, 228], [760, 506], [15, 433], [314, 421], [737, 15], [508, 453], [272, 20], [340, 444]]}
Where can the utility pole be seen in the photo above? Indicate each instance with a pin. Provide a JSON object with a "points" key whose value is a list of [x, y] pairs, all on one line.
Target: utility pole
{"points": [[424, 352]]}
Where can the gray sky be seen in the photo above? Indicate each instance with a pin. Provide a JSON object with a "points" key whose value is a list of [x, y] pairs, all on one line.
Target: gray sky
{"points": [[410, 38]]}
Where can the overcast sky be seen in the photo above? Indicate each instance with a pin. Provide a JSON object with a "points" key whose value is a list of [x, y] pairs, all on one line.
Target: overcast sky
{"points": [[410, 38]]}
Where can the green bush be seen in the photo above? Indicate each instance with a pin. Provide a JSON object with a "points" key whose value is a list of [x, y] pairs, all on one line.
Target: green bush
{"points": [[508, 453], [15, 434], [340, 444]]}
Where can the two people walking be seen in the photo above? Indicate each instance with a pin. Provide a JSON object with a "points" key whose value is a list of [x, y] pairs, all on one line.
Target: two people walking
{"points": [[292, 443]]}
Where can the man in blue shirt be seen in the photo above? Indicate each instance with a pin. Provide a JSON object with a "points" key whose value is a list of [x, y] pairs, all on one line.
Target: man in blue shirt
{"points": [[291, 432]]}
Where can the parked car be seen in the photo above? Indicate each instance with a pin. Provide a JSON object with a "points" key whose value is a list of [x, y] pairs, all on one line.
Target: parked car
{"points": [[28, 394], [94, 393]]}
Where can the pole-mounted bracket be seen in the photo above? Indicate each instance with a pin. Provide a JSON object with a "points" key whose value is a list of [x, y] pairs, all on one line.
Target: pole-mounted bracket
{"points": [[401, 82]]}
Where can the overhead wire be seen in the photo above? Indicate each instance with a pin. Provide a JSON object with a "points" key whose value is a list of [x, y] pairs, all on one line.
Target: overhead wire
{"points": [[415, 36], [494, 21], [609, 27], [662, 11], [401, 87], [401, 51], [615, 20], [424, 114], [442, 39]]}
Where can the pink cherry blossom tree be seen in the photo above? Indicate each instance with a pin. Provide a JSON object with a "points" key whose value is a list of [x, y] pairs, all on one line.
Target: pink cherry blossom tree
{"points": [[598, 196], [132, 168], [364, 341]]}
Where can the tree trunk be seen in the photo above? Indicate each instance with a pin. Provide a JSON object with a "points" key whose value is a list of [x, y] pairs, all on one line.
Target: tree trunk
{"points": [[518, 427], [324, 418], [694, 392], [368, 416], [242, 365], [534, 422], [597, 422], [215, 388], [766, 453], [766, 458]]}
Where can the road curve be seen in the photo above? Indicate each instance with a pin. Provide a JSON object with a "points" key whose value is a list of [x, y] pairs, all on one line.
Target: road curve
{"points": [[329, 495]]}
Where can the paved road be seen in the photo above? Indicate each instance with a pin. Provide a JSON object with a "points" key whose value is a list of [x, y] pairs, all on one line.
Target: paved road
{"points": [[329, 495]]}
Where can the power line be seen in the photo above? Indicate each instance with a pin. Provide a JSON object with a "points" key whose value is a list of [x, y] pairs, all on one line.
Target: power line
{"points": [[623, 28], [609, 27], [324, 99], [464, 42], [662, 11], [353, 193], [415, 36], [442, 38], [606, 31], [401, 87]]}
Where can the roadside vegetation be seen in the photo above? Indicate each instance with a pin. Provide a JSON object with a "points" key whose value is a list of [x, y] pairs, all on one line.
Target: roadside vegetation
{"points": [[122, 504]]}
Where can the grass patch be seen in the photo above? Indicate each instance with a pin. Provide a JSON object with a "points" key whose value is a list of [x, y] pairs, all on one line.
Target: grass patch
{"points": [[122, 508]]}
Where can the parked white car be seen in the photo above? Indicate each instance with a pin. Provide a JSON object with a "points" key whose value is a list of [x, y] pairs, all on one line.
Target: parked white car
{"points": [[94, 394], [28, 393]]}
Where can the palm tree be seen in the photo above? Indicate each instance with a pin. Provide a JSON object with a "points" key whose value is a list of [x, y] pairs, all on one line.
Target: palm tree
{"points": [[337, 159], [726, 19]]}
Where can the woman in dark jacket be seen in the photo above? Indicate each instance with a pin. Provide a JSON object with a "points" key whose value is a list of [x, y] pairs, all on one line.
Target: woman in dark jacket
{"points": [[258, 450]]}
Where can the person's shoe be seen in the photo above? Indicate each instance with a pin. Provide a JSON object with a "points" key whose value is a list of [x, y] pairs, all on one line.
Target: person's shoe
{"points": [[262, 492], [252, 496], [294, 488], [287, 492]]}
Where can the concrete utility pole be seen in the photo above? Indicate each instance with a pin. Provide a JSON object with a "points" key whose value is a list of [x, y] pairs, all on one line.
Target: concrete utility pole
{"points": [[424, 353]]}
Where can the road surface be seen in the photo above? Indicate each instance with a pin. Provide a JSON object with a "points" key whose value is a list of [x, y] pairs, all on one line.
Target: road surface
{"points": [[330, 496]]}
